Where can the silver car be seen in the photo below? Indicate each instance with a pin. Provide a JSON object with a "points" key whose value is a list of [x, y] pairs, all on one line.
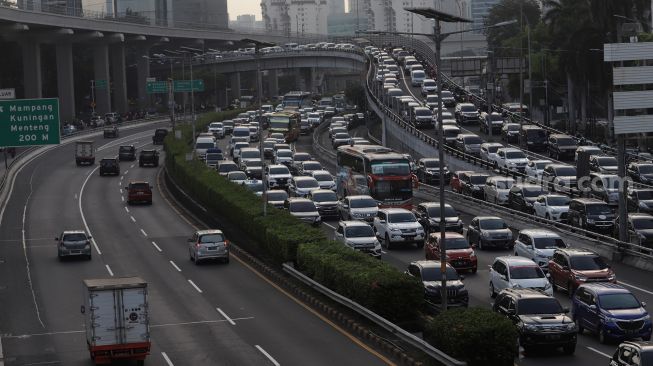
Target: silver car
{"points": [[208, 244], [73, 243], [358, 236]]}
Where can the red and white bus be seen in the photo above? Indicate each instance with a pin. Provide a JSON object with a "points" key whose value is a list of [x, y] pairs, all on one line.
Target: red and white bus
{"points": [[376, 171]]}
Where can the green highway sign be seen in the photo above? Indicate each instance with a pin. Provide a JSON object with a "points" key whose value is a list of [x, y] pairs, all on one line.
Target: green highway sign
{"points": [[157, 87], [100, 84], [28, 122], [181, 86]]}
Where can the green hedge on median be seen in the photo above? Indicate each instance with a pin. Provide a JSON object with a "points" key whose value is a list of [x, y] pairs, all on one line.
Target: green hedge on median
{"points": [[478, 336]]}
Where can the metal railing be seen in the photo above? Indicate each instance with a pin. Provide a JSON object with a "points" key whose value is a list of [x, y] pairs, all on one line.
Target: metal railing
{"points": [[376, 318]]}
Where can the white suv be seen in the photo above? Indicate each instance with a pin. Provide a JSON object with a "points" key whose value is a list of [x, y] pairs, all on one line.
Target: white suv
{"points": [[511, 159], [552, 206], [208, 244], [515, 272], [359, 236], [538, 245], [398, 225], [277, 176], [217, 129], [496, 189]]}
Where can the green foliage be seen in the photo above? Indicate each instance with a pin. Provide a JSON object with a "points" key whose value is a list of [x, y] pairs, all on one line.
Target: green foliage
{"points": [[355, 94], [507, 10], [368, 281], [478, 336]]}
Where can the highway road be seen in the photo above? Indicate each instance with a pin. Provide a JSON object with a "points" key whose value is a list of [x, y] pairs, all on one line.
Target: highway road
{"points": [[200, 315], [588, 352]]}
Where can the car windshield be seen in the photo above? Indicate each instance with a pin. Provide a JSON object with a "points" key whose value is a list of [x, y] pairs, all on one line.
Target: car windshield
{"points": [[566, 141], [456, 243], [277, 196], [254, 163], [325, 197], [423, 112], [307, 183], [587, 263], [313, 165], [126, 149], [512, 127], [645, 194], [212, 238], [566, 171], [284, 153], [362, 231], [144, 186], [429, 83], [323, 177], [224, 168], [302, 206], [363, 203], [607, 161], [492, 224], [541, 164], [108, 162], [313, 115], [599, 209], [496, 117], [433, 274], [504, 184], [237, 175], [473, 140], [204, 145], [525, 272], [279, 170], [301, 157], [515, 155], [216, 125], [549, 243], [532, 192], [619, 301], [468, 108], [391, 167], [434, 211], [543, 305], [400, 217], [432, 163], [255, 187], [493, 149], [643, 223], [478, 179], [447, 94], [645, 169], [342, 135], [214, 157], [74, 237], [558, 201]]}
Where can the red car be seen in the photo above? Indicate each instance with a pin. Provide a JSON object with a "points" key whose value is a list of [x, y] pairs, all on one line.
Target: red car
{"points": [[570, 268], [460, 255], [455, 180], [139, 191]]}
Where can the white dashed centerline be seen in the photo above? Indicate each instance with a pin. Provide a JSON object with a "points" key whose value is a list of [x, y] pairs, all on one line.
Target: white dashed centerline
{"points": [[122, 198], [126, 208], [109, 270], [143, 232], [178, 269], [131, 166], [157, 247], [329, 225], [126, 171], [599, 352], [132, 218], [274, 362], [194, 285], [225, 316], [165, 357]]}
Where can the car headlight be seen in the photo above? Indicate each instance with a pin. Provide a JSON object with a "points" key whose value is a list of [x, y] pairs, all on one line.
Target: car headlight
{"points": [[377, 246], [485, 234], [548, 285], [472, 255], [643, 205], [530, 327], [612, 277], [608, 319], [570, 326], [590, 221], [580, 277]]}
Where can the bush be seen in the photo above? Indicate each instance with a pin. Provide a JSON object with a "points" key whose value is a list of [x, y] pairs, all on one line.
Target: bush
{"points": [[368, 281], [475, 335]]}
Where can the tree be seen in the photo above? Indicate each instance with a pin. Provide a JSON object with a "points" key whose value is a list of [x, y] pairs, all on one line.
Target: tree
{"points": [[507, 10], [355, 94]]}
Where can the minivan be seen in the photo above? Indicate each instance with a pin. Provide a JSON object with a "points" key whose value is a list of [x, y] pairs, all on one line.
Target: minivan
{"points": [[532, 138], [417, 77]]}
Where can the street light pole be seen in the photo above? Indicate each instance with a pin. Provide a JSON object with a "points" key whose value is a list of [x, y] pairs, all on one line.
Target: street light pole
{"points": [[192, 99]]}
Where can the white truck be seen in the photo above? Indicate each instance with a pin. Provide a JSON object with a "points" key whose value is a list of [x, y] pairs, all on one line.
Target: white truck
{"points": [[116, 318], [84, 153]]}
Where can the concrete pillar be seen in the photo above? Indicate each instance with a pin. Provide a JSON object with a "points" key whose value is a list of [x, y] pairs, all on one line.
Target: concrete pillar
{"points": [[101, 74], [308, 76], [66, 81], [234, 83], [119, 78], [143, 72], [32, 80], [273, 83]]}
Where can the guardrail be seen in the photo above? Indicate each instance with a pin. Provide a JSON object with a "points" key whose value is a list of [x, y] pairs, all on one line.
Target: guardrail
{"points": [[377, 319], [230, 57]]}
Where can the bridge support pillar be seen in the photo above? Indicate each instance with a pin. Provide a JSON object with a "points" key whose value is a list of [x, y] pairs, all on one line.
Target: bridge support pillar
{"points": [[143, 72], [119, 79], [101, 75], [273, 83], [234, 83], [65, 81], [32, 79]]}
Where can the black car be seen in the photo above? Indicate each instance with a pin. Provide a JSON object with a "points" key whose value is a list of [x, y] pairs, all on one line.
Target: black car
{"points": [[641, 172], [522, 196], [109, 166], [428, 214], [428, 171], [640, 200], [127, 153], [591, 214], [640, 226], [472, 184], [428, 273], [633, 353], [489, 231], [562, 147], [148, 157], [159, 135], [540, 319], [110, 132]]}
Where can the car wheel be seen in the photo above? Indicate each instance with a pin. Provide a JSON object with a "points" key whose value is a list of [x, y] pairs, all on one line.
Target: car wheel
{"points": [[547, 217], [579, 327], [493, 293], [226, 260], [89, 257], [480, 244], [603, 336], [569, 348], [420, 244], [190, 255], [570, 290], [388, 244], [474, 270]]}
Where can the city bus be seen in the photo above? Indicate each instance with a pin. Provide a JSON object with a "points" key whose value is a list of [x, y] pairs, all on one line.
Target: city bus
{"points": [[376, 171], [286, 122], [297, 99]]}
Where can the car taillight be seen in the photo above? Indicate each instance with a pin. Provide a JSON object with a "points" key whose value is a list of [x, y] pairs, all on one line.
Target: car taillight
{"points": [[226, 243], [198, 244]]}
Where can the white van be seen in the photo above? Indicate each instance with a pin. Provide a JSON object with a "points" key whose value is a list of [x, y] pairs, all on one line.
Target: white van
{"points": [[417, 77], [241, 131], [202, 144]]}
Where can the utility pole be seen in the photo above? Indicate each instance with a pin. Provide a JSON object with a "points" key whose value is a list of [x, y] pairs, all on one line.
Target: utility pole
{"points": [[93, 95], [171, 97], [490, 85], [521, 64]]}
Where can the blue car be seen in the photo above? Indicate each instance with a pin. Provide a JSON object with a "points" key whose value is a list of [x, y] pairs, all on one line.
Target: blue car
{"points": [[610, 310]]}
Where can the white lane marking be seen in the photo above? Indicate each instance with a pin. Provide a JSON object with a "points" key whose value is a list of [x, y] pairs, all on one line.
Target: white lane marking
{"points": [[126, 208], [177, 268], [143, 232], [274, 362], [81, 211], [109, 270], [636, 288], [120, 184], [121, 178], [225, 316], [599, 352], [29, 272], [131, 166], [132, 218], [120, 190], [75, 196], [157, 247], [384, 252], [122, 198], [194, 285], [126, 171], [329, 225], [165, 357]]}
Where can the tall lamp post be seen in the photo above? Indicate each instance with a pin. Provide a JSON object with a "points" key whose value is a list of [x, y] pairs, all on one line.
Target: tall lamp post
{"points": [[186, 51], [259, 96]]}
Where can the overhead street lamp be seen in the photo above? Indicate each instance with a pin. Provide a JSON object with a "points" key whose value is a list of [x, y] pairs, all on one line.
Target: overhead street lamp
{"points": [[259, 96]]}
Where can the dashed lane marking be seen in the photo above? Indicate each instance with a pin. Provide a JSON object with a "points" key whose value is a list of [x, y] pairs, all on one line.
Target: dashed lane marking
{"points": [[195, 286], [157, 247], [177, 268], [225, 316], [274, 362], [109, 270]]}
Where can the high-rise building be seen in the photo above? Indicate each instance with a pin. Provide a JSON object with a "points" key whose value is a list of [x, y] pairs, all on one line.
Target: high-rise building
{"points": [[336, 6], [296, 17], [200, 13], [246, 22], [345, 24], [480, 10], [389, 15]]}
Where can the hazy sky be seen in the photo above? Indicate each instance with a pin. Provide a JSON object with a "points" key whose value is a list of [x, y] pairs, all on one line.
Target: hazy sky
{"points": [[238, 7]]}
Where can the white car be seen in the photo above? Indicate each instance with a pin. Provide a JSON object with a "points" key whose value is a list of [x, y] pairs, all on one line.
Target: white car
{"points": [[304, 209], [538, 245], [552, 206], [358, 236], [398, 225], [302, 186], [534, 170], [360, 207], [217, 129], [237, 176], [512, 159], [324, 179], [282, 156], [515, 272], [417, 77], [429, 86], [489, 151], [496, 189], [277, 176]]}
